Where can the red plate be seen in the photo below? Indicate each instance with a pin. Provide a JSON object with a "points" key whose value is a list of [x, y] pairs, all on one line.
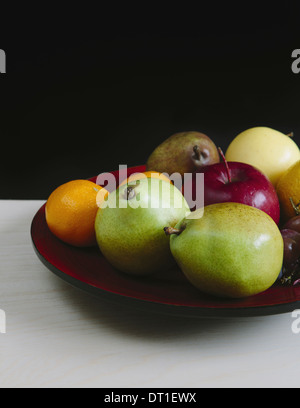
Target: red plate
{"points": [[88, 270]]}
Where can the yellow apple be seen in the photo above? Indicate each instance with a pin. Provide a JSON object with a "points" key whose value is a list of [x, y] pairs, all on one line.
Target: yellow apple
{"points": [[269, 150]]}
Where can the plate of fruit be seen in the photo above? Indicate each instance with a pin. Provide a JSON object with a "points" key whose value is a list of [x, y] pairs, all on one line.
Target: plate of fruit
{"points": [[194, 232]]}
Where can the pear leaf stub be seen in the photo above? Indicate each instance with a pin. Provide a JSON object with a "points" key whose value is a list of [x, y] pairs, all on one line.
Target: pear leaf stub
{"points": [[200, 155], [130, 193], [173, 231]]}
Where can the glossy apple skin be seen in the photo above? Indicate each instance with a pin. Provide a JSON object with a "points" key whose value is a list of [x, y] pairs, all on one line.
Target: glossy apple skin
{"points": [[248, 186]]}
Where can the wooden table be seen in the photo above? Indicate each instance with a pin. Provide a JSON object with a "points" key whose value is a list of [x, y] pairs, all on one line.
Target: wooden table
{"points": [[59, 336]]}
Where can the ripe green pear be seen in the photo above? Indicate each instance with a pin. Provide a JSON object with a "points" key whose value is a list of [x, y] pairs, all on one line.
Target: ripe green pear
{"points": [[183, 152], [232, 250], [130, 225]]}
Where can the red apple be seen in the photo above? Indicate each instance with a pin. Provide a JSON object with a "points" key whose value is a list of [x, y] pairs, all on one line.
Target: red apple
{"points": [[239, 183]]}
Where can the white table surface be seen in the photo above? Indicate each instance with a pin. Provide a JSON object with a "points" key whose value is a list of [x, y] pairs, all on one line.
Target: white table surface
{"points": [[59, 336]]}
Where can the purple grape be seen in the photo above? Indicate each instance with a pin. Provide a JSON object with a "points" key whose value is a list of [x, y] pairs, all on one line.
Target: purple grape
{"points": [[290, 254], [291, 260], [291, 240], [293, 224], [290, 233]]}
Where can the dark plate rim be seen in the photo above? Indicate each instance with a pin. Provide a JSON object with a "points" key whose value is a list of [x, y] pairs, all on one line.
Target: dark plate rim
{"points": [[163, 308], [155, 305]]}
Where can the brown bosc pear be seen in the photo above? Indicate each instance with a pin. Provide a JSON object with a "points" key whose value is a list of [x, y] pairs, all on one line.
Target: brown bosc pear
{"points": [[184, 152]]}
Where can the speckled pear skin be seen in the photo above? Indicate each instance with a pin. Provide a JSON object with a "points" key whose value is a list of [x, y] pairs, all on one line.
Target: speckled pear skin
{"points": [[133, 239], [233, 251], [175, 154]]}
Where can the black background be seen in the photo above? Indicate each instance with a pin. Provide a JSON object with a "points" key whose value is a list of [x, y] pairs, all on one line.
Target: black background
{"points": [[84, 94]]}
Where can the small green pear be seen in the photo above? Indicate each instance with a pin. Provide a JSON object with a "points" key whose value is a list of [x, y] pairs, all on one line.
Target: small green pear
{"points": [[130, 225], [231, 250]]}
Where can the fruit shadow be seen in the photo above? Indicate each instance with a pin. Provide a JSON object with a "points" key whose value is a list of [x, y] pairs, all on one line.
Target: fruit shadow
{"points": [[132, 321]]}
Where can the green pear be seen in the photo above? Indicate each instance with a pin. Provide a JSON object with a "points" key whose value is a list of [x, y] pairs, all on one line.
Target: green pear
{"points": [[183, 152], [231, 250], [130, 225]]}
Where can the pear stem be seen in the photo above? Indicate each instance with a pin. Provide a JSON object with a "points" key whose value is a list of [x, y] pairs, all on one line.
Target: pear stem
{"points": [[295, 207], [172, 231], [291, 134], [226, 164], [129, 192], [197, 152]]}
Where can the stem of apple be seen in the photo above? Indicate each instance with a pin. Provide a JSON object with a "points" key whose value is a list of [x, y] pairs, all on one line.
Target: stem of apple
{"points": [[291, 134], [172, 231], [226, 164]]}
